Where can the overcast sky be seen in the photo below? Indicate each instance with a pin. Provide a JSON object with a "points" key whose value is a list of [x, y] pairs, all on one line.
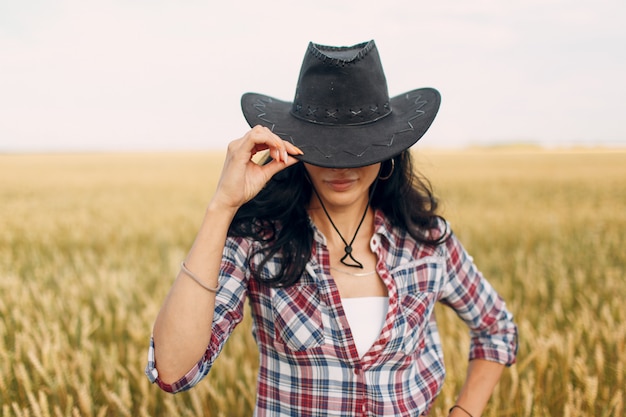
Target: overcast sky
{"points": [[80, 75]]}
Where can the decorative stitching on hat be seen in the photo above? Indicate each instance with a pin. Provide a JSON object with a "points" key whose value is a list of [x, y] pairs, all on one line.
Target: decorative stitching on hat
{"points": [[260, 106], [332, 114], [418, 112], [351, 116], [418, 103]]}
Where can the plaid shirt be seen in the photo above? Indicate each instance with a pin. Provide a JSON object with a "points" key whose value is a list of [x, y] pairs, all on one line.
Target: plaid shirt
{"points": [[309, 364]]}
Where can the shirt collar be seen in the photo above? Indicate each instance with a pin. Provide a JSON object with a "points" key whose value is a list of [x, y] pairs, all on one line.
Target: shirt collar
{"points": [[317, 235], [382, 226]]}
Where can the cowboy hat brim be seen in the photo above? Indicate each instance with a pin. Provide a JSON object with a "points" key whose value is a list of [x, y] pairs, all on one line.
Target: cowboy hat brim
{"points": [[347, 146]]}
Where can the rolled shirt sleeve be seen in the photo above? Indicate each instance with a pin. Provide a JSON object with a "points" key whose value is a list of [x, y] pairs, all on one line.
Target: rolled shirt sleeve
{"points": [[492, 330], [229, 306]]}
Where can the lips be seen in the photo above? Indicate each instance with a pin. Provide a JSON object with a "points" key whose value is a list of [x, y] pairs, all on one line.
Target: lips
{"points": [[340, 184]]}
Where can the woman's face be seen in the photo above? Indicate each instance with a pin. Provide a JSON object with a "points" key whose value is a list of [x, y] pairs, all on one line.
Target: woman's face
{"points": [[345, 186]]}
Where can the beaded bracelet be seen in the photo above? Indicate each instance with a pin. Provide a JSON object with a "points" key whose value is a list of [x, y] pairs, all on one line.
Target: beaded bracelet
{"points": [[191, 275], [460, 408]]}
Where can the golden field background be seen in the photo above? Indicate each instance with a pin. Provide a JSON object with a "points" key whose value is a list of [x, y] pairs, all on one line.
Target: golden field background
{"points": [[89, 245]]}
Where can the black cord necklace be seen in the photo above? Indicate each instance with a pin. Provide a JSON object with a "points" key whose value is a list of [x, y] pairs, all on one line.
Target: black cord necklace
{"points": [[348, 247]]}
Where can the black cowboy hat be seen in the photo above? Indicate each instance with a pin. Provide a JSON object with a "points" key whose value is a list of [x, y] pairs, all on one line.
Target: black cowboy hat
{"points": [[342, 116]]}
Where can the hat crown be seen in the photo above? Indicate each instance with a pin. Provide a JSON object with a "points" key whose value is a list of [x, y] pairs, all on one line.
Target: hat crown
{"points": [[341, 86]]}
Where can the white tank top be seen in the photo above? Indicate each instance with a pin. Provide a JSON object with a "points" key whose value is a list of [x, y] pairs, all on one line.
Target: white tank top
{"points": [[366, 316]]}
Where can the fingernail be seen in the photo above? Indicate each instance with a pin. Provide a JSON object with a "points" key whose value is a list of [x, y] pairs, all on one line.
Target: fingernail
{"points": [[285, 155]]}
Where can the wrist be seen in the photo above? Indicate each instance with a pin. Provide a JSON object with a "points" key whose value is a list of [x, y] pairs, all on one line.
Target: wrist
{"points": [[215, 208], [217, 220], [460, 411]]}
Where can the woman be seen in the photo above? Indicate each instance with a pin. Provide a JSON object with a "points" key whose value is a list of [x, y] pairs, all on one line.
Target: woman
{"points": [[339, 248]]}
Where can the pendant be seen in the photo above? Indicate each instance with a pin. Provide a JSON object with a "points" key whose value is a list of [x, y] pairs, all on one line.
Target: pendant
{"points": [[355, 264]]}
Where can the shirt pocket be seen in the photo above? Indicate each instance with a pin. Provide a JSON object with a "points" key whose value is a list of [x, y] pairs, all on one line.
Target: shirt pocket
{"points": [[415, 310], [298, 317], [417, 283]]}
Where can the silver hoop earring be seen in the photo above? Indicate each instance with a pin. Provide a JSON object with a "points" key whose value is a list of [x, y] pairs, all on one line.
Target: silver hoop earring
{"points": [[386, 177]]}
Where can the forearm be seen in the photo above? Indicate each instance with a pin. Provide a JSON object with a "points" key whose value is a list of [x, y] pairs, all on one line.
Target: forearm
{"points": [[182, 329], [482, 377]]}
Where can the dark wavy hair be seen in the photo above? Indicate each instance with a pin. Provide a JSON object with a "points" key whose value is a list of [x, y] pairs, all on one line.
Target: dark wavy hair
{"points": [[277, 217]]}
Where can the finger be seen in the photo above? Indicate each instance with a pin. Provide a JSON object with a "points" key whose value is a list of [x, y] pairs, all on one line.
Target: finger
{"points": [[279, 150], [261, 138], [293, 149], [283, 149], [276, 166]]}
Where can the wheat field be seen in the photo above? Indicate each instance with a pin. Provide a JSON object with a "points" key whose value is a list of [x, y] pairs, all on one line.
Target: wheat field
{"points": [[89, 244]]}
